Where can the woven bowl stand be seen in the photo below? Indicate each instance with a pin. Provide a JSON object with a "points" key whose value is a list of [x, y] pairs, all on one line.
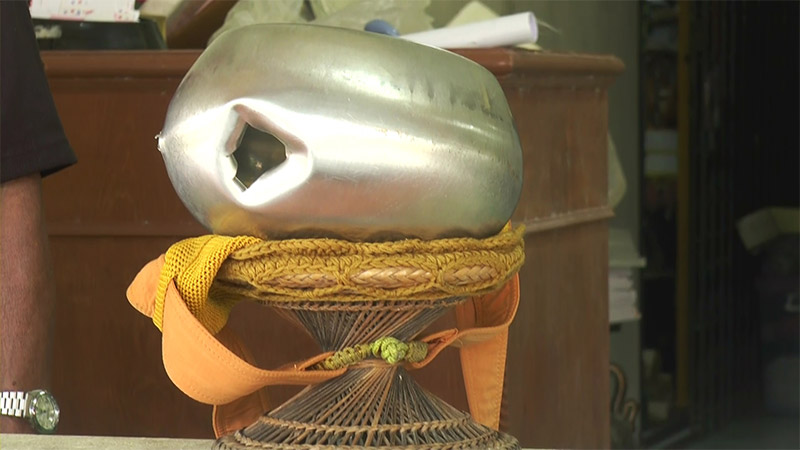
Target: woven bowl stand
{"points": [[373, 404]]}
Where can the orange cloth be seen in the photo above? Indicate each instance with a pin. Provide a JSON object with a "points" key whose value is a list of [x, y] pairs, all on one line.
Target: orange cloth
{"points": [[218, 370]]}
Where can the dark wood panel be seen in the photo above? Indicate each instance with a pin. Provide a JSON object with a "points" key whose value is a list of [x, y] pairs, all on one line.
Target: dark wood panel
{"points": [[82, 64], [120, 179], [563, 131], [107, 216], [107, 371], [556, 392], [599, 70]]}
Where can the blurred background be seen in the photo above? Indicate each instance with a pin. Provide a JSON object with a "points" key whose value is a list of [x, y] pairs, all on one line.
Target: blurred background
{"points": [[702, 135]]}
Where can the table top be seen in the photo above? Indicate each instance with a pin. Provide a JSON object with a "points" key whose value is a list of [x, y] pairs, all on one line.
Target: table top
{"points": [[44, 442], [602, 69]]}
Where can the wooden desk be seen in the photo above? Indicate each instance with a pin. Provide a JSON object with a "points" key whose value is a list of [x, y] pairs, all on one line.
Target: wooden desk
{"points": [[116, 209]]}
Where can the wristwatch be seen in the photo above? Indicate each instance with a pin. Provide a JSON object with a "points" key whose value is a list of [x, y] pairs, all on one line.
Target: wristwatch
{"points": [[39, 407]]}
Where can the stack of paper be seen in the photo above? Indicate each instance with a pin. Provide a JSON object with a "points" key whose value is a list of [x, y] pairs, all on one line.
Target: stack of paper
{"points": [[85, 10], [623, 260], [621, 296]]}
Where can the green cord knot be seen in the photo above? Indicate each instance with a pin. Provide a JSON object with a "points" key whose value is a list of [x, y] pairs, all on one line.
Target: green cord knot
{"points": [[387, 348]]}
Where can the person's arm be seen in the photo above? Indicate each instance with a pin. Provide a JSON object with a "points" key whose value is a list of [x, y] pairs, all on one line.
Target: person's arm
{"points": [[26, 293]]}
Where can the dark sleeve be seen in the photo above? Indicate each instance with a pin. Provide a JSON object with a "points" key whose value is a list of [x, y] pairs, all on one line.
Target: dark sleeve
{"points": [[31, 136]]}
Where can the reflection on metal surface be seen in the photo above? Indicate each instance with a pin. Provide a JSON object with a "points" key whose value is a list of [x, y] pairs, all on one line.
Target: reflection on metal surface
{"points": [[299, 130]]}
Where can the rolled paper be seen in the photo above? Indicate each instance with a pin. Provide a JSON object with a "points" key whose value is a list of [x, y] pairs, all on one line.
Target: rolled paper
{"points": [[503, 31]]}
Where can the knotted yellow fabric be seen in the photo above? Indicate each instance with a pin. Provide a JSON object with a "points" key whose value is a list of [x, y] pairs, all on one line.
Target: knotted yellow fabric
{"points": [[193, 263]]}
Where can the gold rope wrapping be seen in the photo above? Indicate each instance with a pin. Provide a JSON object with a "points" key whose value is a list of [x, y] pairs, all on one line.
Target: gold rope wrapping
{"points": [[413, 269], [213, 273]]}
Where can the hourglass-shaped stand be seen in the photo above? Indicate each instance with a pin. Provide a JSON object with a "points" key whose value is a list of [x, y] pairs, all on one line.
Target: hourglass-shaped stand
{"points": [[373, 404]]}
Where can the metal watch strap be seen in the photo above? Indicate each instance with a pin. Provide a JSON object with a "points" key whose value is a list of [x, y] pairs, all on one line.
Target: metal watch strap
{"points": [[12, 403]]}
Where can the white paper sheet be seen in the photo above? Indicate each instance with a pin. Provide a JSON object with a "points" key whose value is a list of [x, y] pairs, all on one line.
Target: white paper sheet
{"points": [[85, 10], [500, 32]]}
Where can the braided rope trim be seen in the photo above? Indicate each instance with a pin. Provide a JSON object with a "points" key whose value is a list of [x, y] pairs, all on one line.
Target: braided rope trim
{"points": [[372, 305], [486, 441], [443, 424], [328, 269]]}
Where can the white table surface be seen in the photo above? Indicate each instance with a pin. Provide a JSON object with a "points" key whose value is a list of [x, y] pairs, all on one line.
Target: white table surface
{"points": [[43, 442]]}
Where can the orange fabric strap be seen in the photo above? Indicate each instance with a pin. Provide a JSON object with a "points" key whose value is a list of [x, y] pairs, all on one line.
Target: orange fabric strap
{"points": [[484, 343], [218, 370]]}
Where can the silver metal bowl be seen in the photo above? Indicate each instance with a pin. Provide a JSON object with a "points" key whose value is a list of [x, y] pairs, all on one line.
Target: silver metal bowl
{"points": [[307, 131]]}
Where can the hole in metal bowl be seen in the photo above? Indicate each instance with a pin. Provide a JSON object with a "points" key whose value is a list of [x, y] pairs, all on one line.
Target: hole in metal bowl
{"points": [[257, 153]]}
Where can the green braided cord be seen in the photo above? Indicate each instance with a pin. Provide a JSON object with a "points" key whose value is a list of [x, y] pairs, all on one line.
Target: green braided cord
{"points": [[390, 349], [387, 348]]}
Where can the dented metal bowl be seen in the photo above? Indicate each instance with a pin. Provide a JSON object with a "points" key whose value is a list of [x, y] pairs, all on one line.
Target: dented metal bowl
{"points": [[307, 131]]}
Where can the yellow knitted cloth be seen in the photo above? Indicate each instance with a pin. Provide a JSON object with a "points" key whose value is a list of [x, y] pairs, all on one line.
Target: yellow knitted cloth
{"points": [[193, 263]]}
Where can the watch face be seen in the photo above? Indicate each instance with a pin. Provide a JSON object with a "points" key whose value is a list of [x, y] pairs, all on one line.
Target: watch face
{"points": [[43, 411]]}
